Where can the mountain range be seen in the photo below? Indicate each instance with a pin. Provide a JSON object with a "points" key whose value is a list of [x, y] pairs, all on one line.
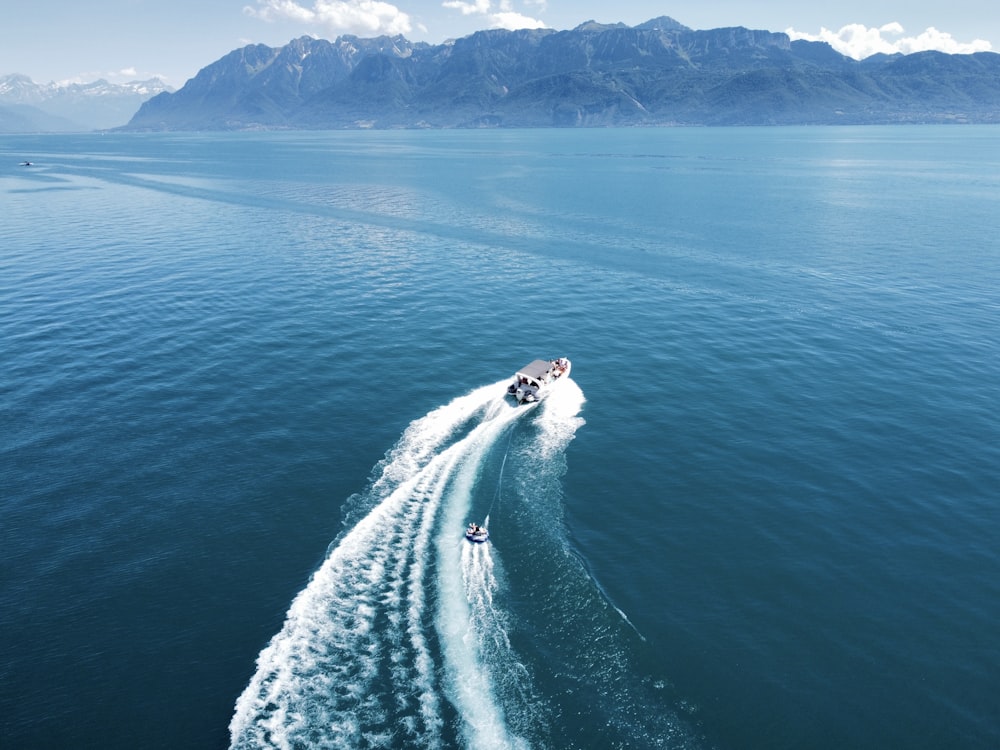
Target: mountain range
{"points": [[658, 73], [29, 107], [654, 74]]}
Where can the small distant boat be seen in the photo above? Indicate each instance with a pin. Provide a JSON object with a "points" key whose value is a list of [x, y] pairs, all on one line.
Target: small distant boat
{"points": [[26, 164], [532, 382], [476, 533]]}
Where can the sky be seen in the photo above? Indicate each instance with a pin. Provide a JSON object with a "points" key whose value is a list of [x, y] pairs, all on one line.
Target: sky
{"points": [[129, 40]]}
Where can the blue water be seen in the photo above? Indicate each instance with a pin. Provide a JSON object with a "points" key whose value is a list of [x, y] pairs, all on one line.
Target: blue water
{"points": [[251, 393]]}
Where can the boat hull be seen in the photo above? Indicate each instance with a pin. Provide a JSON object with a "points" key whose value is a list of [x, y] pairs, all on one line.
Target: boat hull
{"points": [[533, 382]]}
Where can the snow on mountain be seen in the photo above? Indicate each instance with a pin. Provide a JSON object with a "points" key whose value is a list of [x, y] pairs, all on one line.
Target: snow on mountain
{"points": [[72, 106]]}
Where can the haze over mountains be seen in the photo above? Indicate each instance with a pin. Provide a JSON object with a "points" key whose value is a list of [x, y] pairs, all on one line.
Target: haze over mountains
{"points": [[655, 74], [29, 107]]}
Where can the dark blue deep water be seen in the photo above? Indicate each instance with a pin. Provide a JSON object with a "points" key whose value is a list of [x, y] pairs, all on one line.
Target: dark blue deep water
{"points": [[251, 392]]}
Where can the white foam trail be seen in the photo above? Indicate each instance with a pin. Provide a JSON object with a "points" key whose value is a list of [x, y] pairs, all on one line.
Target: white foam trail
{"points": [[360, 621], [473, 629], [559, 421], [460, 620]]}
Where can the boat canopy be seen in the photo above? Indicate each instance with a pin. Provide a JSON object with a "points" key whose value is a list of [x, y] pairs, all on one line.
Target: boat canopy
{"points": [[536, 371]]}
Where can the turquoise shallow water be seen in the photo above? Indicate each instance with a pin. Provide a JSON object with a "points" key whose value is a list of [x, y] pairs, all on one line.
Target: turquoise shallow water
{"points": [[251, 393]]}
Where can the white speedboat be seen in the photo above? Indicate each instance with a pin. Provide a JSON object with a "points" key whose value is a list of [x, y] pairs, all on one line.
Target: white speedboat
{"points": [[533, 381], [476, 533]]}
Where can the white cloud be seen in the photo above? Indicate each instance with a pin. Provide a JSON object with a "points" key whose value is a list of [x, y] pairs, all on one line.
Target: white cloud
{"points": [[505, 17], [479, 7], [859, 41], [280, 10], [362, 17], [512, 21]]}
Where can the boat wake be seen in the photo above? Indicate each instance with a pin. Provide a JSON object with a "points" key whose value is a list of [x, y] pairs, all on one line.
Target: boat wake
{"points": [[398, 640]]}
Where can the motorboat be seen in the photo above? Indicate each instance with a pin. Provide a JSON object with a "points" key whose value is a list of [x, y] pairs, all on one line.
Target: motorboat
{"points": [[476, 533], [533, 381]]}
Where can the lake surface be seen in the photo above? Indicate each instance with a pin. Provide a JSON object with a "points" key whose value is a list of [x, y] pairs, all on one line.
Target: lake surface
{"points": [[252, 392]]}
